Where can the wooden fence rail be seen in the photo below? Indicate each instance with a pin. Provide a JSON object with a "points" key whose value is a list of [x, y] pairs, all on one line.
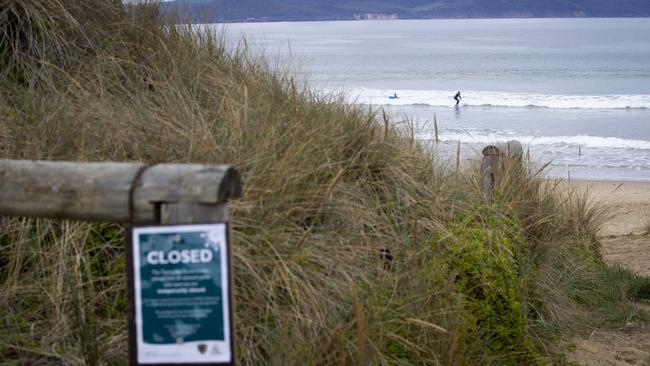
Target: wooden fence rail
{"points": [[117, 192]]}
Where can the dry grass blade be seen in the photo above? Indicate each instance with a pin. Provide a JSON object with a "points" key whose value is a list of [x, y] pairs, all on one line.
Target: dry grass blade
{"points": [[423, 323]]}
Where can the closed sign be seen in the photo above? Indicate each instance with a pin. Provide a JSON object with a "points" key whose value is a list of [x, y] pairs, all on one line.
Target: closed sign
{"points": [[180, 295]]}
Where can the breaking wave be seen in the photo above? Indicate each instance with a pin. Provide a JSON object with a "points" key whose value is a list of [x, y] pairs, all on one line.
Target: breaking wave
{"points": [[484, 137], [441, 98]]}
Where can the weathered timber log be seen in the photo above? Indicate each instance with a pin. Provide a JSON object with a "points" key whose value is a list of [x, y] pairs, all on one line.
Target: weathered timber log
{"points": [[493, 158], [511, 149], [100, 191]]}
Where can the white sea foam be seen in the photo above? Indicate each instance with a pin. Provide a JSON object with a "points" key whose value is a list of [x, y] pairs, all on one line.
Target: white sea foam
{"points": [[485, 137], [497, 99]]}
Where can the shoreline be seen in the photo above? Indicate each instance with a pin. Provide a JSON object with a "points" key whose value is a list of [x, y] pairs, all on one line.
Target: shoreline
{"points": [[583, 181]]}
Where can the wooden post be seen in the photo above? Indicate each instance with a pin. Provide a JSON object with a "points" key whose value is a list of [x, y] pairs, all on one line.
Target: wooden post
{"points": [[188, 212], [435, 127], [163, 193], [386, 124], [458, 159], [493, 157]]}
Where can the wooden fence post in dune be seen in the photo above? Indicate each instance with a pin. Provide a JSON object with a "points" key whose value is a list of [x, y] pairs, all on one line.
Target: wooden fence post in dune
{"points": [[435, 128], [179, 271], [493, 158], [458, 159]]}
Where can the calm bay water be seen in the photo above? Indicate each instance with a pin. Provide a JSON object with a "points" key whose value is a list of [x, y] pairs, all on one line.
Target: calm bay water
{"points": [[558, 85]]}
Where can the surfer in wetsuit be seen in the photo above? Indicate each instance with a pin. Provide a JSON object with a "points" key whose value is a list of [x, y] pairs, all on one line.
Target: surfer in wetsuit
{"points": [[457, 98]]}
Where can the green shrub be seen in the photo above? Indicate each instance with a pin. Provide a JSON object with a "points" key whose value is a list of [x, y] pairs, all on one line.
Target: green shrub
{"points": [[488, 259]]}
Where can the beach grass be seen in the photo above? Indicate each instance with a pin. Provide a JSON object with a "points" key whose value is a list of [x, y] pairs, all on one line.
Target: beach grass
{"points": [[328, 187]]}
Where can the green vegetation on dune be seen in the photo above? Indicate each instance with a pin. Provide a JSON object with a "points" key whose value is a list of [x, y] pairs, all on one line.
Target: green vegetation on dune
{"points": [[327, 186]]}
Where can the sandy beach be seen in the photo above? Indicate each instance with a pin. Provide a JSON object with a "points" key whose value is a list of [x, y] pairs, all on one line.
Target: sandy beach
{"points": [[625, 240], [628, 203], [626, 227]]}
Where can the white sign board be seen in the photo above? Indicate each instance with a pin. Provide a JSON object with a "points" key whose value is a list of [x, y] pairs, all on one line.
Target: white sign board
{"points": [[179, 286]]}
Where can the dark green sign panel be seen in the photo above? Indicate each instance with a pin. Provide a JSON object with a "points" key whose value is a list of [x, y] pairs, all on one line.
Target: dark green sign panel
{"points": [[181, 295]]}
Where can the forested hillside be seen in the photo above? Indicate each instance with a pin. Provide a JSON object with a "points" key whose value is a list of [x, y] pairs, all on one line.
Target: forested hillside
{"points": [[278, 10]]}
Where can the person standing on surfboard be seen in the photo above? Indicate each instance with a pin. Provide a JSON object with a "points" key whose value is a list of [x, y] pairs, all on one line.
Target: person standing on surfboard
{"points": [[457, 98]]}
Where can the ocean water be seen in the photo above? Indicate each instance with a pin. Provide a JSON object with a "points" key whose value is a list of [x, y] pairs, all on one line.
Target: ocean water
{"points": [[575, 92]]}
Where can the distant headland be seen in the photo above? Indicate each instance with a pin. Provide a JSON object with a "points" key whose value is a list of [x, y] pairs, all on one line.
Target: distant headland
{"points": [[303, 10]]}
